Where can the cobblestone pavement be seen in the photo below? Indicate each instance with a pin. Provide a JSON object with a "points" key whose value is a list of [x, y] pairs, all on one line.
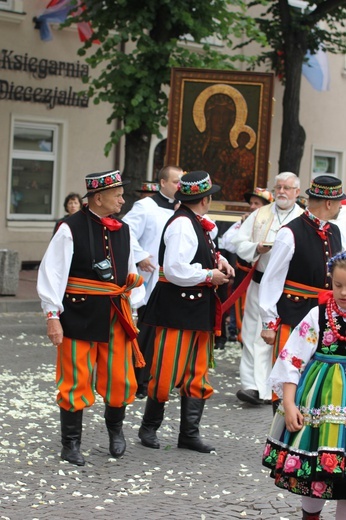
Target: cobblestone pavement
{"points": [[169, 483]]}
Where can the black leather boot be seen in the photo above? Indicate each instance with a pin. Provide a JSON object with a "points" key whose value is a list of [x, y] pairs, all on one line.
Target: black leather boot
{"points": [[71, 435], [190, 416], [311, 516], [114, 422], [152, 419]]}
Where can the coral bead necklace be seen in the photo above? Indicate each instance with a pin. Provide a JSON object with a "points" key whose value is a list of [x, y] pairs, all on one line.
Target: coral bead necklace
{"points": [[332, 307]]}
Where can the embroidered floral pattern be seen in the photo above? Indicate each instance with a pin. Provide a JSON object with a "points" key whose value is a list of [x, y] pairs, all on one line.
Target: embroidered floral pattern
{"points": [[312, 462], [193, 188], [307, 332], [292, 464], [104, 180], [271, 325], [315, 417], [270, 456], [296, 362], [281, 459], [52, 314], [326, 191], [329, 339], [293, 471], [318, 489], [304, 329], [331, 463]]}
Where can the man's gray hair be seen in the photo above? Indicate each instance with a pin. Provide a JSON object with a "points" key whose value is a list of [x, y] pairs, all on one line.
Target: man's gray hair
{"points": [[288, 175]]}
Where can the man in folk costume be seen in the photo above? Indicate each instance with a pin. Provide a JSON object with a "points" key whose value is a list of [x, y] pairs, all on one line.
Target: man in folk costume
{"points": [[84, 282], [297, 269], [147, 189], [146, 219], [182, 307], [253, 243], [256, 199]]}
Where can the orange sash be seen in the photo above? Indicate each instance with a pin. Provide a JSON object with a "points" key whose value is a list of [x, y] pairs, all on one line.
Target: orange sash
{"points": [[97, 288], [302, 290]]}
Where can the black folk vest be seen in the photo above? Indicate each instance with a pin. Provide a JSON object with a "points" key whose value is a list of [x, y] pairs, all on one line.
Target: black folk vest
{"points": [[307, 266], [87, 317], [341, 327], [184, 308]]}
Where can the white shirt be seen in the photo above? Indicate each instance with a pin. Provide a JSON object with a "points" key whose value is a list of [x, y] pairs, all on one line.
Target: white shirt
{"points": [[181, 246], [341, 223], [246, 242], [275, 275], [300, 346], [55, 267], [225, 242], [146, 220], [273, 281]]}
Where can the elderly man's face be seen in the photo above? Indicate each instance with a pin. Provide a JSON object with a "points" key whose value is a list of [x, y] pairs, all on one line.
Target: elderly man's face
{"points": [[286, 193], [110, 201]]}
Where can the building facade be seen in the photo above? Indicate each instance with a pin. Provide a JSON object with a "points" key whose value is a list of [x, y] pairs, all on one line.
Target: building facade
{"points": [[50, 137]]}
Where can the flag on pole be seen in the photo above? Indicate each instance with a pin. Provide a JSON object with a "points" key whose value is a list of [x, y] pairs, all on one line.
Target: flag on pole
{"points": [[316, 70], [56, 12]]}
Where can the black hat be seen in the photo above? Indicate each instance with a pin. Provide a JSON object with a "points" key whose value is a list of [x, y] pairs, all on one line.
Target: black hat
{"points": [[149, 187], [326, 187], [194, 186], [96, 182]]}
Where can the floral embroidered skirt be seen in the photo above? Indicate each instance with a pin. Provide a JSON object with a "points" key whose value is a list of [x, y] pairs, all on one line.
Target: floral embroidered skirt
{"points": [[311, 462]]}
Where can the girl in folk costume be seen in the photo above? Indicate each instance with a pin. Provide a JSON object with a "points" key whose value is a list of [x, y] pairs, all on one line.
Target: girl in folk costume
{"points": [[306, 446]]}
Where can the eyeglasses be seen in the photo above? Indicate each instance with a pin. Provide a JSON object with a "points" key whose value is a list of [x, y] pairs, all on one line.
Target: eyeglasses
{"points": [[285, 188]]}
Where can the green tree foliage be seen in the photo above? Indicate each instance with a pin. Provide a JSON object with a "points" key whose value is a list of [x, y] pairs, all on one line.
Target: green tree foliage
{"points": [[140, 42], [291, 32]]}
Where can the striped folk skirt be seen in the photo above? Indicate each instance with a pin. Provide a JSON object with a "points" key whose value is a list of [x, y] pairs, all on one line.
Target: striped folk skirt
{"points": [[311, 461]]}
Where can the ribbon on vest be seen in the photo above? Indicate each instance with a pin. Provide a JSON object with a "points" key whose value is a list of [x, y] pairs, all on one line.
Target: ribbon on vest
{"points": [[302, 290], [206, 224], [111, 223], [323, 232], [97, 288], [324, 296]]}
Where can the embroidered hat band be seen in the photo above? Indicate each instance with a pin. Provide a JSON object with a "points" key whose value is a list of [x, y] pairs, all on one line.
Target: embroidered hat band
{"points": [[96, 182]]}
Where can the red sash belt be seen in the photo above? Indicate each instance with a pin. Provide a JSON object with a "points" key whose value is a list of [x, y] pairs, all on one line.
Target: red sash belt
{"points": [[98, 288]]}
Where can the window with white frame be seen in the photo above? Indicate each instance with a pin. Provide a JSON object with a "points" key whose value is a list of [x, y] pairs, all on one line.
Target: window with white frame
{"points": [[6, 4], [32, 183], [325, 162]]}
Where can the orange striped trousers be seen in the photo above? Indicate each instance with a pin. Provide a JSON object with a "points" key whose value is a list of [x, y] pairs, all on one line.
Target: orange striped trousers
{"points": [[112, 362], [181, 359], [282, 335]]}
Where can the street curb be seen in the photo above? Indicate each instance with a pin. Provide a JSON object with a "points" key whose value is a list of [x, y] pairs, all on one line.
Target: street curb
{"points": [[20, 306]]}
